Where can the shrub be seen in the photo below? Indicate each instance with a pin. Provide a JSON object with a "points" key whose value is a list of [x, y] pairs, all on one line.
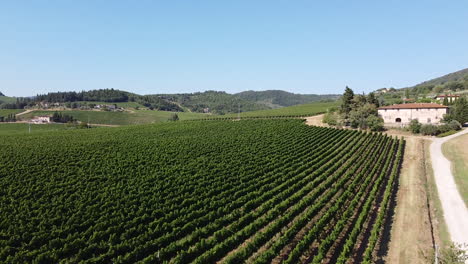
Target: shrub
{"points": [[415, 126], [330, 118], [429, 130], [455, 125], [443, 128], [375, 123]]}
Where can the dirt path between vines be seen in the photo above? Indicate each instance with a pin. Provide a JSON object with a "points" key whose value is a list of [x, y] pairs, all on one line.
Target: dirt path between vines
{"points": [[25, 112], [412, 234]]}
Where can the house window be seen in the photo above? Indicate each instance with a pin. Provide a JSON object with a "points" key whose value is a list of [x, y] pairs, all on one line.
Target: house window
{"points": [[428, 120]]}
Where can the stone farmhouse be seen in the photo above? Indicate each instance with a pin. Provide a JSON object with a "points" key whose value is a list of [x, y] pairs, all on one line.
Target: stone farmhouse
{"points": [[41, 120], [402, 114], [450, 97]]}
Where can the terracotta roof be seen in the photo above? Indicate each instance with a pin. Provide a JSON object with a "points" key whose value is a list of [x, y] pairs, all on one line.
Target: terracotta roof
{"points": [[413, 106]]}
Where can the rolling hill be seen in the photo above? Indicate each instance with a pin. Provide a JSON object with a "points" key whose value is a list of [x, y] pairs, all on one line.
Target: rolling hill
{"points": [[213, 102]]}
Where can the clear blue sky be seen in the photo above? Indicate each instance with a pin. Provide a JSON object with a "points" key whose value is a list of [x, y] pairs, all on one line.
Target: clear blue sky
{"points": [[187, 46]]}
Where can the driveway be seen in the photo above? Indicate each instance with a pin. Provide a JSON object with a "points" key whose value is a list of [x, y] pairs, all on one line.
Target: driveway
{"points": [[455, 211]]}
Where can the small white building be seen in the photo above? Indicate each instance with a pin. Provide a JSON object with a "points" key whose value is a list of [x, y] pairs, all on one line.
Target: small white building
{"points": [[402, 114], [41, 120]]}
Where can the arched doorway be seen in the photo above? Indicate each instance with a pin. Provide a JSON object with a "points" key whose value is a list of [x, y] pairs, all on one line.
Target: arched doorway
{"points": [[398, 120]]}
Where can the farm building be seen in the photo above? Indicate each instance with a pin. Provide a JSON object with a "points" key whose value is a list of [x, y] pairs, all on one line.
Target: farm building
{"points": [[402, 114], [450, 97], [41, 120]]}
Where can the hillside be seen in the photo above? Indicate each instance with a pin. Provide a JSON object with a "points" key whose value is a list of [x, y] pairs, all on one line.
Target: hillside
{"points": [[6, 99], [449, 83], [278, 98], [452, 83], [255, 191], [457, 76], [215, 102]]}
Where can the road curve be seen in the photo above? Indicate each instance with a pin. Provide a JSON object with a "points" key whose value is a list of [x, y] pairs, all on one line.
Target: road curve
{"points": [[455, 211]]}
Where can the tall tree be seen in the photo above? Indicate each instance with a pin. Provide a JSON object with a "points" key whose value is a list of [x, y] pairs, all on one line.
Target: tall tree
{"points": [[347, 103], [460, 111], [371, 99]]}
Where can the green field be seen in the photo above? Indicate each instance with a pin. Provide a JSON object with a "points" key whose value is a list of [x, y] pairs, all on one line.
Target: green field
{"points": [[196, 192], [6, 99], [22, 128], [119, 118], [6, 112], [290, 111]]}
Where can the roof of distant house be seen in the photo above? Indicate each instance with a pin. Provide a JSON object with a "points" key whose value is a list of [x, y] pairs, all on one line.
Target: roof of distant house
{"points": [[413, 106]]}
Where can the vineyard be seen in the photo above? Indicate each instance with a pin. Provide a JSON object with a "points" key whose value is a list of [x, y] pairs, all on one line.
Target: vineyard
{"points": [[301, 110], [250, 191], [118, 118]]}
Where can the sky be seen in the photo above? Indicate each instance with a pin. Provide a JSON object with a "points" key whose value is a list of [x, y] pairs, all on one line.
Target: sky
{"points": [[147, 47]]}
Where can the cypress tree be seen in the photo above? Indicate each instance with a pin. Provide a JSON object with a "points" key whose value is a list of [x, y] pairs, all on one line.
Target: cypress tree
{"points": [[347, 99]]}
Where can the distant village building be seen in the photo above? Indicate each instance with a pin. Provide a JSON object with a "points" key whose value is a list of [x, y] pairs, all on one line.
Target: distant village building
{"points": [[450, 98], [382, 90], [402, 114], [111, 107], [41, 120]]}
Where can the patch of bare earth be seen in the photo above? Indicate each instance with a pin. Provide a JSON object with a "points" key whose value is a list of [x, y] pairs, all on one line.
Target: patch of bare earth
{"points": [[412, 232], [315, 121]]}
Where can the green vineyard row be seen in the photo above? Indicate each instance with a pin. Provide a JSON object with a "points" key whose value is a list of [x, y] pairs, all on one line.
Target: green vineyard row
{"points": [[249, 191]]}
